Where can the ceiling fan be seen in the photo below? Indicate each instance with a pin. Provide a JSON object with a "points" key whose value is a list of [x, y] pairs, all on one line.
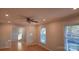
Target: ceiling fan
{"points": [[29, 19]]}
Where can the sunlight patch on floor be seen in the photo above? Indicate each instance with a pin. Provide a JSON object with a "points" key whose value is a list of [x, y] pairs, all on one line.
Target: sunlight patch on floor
{"points": [[19, 46]]}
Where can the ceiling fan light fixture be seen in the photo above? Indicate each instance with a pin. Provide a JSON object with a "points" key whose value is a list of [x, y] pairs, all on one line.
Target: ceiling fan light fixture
{"points": [[6, 15], [44, 19]]}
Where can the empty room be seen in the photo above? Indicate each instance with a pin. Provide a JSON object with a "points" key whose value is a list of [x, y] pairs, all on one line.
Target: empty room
{"points": [[39, 29]]}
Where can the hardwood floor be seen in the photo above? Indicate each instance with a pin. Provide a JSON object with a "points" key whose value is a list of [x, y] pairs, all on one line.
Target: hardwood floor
{"points": [[24, 47]]}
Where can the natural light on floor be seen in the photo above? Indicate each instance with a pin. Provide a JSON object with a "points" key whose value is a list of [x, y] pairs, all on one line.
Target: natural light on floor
{"points": [[19, 46]]}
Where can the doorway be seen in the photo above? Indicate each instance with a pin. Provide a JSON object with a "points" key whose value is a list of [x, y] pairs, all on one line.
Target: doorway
{"points": [[18, 37]]}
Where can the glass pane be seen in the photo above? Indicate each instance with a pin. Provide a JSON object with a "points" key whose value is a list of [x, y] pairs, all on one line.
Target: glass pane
{"points": [[43, 35], [72, 38]]}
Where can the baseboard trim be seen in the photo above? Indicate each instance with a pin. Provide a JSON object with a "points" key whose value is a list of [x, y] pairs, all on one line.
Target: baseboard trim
{"points": [[33, 44], [4, 48]]}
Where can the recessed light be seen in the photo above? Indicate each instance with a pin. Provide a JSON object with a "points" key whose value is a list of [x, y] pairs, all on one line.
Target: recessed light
{"points": [[44, 19], [74, 8], [9, 21], [6, 15]]}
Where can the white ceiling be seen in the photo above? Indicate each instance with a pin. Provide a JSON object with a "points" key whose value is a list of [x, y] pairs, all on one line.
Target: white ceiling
{"points": [[36, 13]]}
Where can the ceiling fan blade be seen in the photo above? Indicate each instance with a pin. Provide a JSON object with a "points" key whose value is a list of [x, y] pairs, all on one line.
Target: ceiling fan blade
{"points": [[35, 21], [28, 19]]}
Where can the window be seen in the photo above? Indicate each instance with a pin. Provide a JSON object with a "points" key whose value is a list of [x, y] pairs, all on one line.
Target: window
{"points": [[72, 38], [43, 35]]}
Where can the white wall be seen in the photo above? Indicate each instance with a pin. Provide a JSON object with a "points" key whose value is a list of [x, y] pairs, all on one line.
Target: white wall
{"points": [[31, 34], [7, 31], [55, 33], [55, 36], [5, 35]]}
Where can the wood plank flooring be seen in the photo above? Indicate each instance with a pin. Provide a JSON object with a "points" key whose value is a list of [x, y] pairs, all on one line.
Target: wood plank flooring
{"points": [[24, 47]]}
